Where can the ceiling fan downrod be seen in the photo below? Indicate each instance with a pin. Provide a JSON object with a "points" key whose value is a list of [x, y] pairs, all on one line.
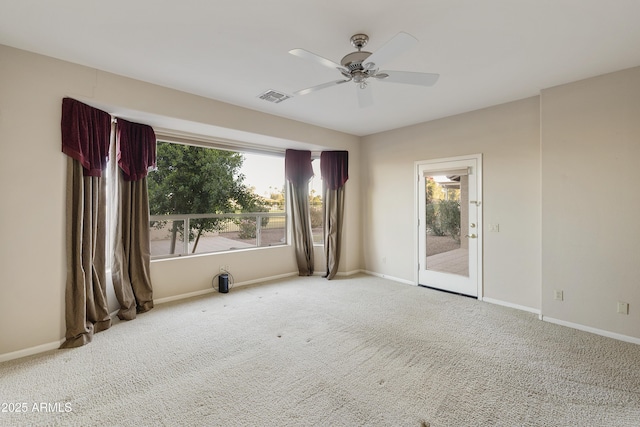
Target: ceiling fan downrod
{"points": [[359, 41]]}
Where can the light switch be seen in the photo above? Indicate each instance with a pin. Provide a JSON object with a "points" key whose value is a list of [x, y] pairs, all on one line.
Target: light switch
{"points": [[558, 295], [623, 308]]}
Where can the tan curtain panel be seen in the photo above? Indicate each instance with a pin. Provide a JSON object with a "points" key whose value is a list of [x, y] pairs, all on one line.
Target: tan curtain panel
{"points": [[130, 266], [334, 167], [85, 139], [87, 134], [333, 216], [299, 171]]}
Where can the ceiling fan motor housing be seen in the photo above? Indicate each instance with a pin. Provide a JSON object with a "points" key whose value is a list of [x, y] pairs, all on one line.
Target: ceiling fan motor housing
{"points": [[354, 60]]}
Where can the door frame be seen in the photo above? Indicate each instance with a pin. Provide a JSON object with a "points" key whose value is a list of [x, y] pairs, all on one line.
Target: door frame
{"points": [[480, 227]]}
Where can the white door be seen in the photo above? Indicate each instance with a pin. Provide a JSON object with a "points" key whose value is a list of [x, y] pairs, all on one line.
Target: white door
{"points": [[449, 224]]}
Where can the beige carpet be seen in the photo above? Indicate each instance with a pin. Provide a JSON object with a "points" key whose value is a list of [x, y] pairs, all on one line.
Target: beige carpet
{"points": [[357, 351]]}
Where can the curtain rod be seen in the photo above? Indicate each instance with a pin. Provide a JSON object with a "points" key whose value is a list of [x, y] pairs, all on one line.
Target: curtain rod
{"points": [[221, 143], [179, 137]]}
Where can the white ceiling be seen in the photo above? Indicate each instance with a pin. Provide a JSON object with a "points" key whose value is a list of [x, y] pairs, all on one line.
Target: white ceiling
{"points": [[487, 52]]}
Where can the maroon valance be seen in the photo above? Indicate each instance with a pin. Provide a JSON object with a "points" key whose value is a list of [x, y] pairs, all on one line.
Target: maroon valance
{"points": [[136, 149], [334, 167], [297, 166], [85, 135]]}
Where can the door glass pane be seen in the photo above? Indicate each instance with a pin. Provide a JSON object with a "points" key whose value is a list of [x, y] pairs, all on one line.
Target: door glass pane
{"points": [[447, 213]]}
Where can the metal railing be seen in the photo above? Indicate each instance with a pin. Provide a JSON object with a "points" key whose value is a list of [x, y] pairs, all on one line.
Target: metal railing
{"points": [[206, 233]]}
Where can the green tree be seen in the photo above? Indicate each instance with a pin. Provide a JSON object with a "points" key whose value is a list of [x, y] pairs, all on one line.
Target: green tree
{"points": [[449, 218], [442, 210], [315, 209], [433, 189], [276, 198], [197, 180]]}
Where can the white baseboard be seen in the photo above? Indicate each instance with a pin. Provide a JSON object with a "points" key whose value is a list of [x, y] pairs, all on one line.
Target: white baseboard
{"points": [[339, 273], [240, 284], [596, 331], [404, 281], [349, 273], [56, 344], [31, 351], [536, 311], [510, 305], [385, 276], [266, 279], [183, 296], [211, 290]]}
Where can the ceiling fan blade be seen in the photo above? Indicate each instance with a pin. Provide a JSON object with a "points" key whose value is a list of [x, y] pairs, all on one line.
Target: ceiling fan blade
{"points": [[305, 54], [399, 44], [365, 97], [410, 78], [318, 87]]}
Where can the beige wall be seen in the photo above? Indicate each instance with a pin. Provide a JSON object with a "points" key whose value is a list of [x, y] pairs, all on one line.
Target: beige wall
{"points": [[508, 138], [558, 179], [590, 201], [32, 187], [564, 197]]}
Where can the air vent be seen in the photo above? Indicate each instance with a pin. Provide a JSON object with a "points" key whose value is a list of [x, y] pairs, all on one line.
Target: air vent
{"points": [[273, 96]]}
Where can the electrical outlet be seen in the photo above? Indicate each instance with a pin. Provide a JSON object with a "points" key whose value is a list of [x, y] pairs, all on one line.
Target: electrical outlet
{"points": [[623, 307], [494, 228], [558, 295]]}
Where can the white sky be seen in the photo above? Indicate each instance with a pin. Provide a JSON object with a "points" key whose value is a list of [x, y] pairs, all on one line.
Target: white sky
{"points": [[263, 171]]}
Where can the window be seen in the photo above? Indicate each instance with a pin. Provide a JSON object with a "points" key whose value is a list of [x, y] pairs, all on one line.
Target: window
{"points": [[204, 200], [315, 204]]}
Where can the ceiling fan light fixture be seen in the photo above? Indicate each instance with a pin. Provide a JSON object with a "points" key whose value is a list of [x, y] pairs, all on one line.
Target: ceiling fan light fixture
{"points": [[359, 76]]}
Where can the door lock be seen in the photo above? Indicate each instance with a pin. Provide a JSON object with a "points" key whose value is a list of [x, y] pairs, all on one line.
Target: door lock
{"points": [[471, 236]]}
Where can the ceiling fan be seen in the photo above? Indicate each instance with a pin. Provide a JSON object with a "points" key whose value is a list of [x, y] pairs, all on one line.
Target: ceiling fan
{"points": [[360, 66]]}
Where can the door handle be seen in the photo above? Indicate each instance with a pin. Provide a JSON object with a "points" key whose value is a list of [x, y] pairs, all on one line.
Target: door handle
{"points": [[470, 236]]}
